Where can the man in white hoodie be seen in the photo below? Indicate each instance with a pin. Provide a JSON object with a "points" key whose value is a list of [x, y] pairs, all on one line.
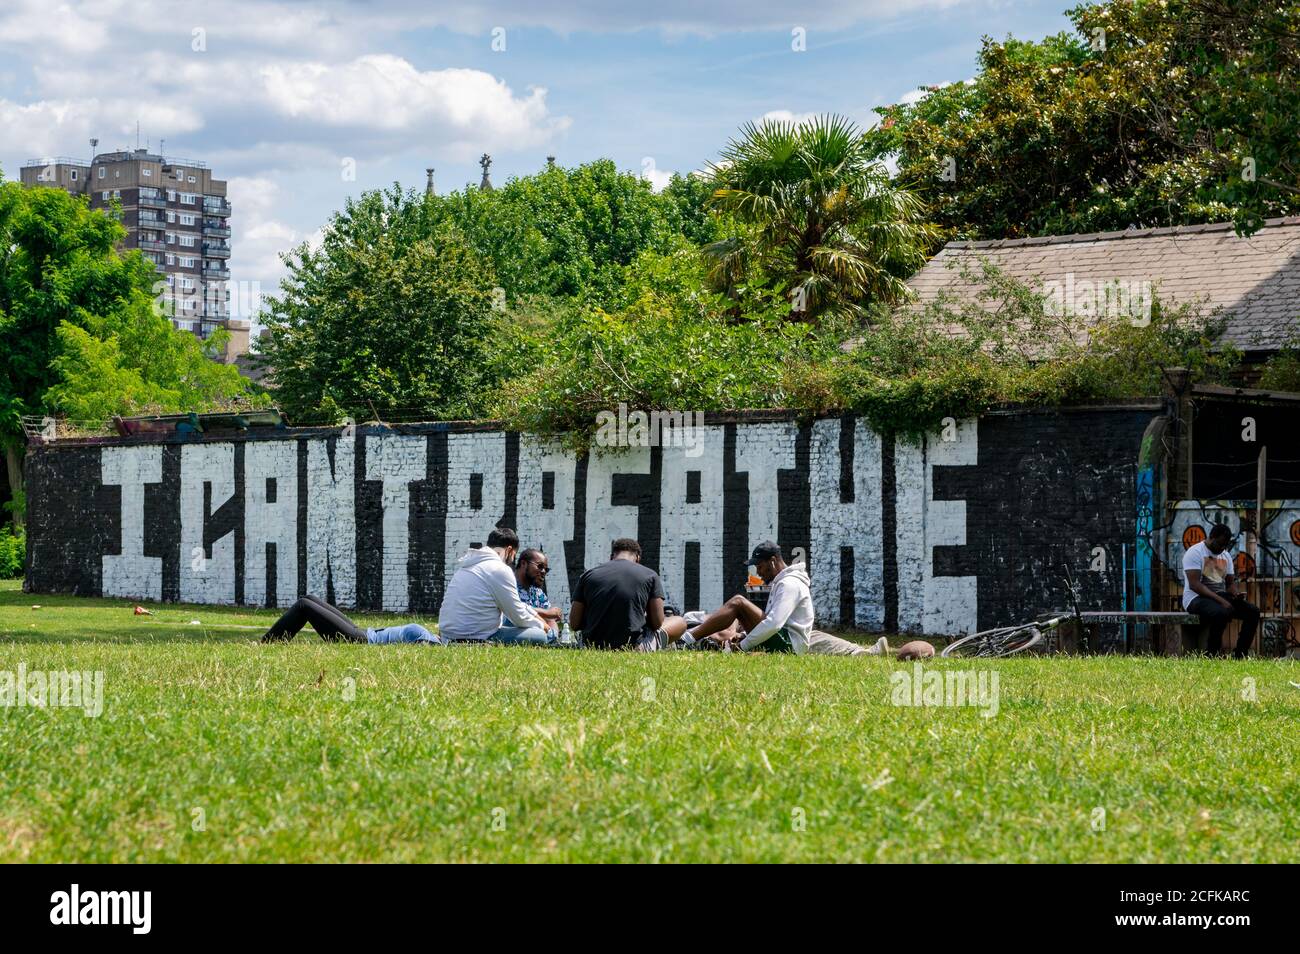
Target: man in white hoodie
{"points": [[786, 625], [482, 590]]}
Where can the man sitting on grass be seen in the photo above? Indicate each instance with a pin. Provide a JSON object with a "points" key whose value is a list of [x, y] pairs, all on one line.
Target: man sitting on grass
{"points": [[1210, 591], [482, 591], [620, 604], [786, 626], [531, 576]]}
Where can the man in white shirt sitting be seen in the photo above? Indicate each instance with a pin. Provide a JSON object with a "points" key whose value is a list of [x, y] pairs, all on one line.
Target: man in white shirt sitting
{"points": [[1210, 591], [482, 590]]}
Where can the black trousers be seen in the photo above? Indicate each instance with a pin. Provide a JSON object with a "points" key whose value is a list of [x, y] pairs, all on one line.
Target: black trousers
{"points": [[332, 625], [1216, 617]]}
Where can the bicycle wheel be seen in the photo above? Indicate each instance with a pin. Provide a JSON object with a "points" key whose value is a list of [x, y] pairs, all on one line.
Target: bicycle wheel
{"points": [[1027, 638], [979, 644]]}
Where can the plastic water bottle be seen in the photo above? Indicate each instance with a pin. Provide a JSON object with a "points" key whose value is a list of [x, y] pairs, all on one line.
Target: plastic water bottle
{"points": [[566, 636]]}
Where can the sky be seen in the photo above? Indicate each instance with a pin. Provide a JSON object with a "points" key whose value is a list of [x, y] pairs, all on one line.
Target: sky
{"points": [[301, 105]]}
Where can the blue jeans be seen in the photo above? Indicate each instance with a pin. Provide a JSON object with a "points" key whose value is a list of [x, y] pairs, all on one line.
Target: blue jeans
{"points": [[410, 633], [514, 636]]}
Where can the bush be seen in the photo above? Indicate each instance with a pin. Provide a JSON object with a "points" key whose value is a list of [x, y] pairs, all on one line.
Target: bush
{"points": [[1281, 372], [13, 554]]}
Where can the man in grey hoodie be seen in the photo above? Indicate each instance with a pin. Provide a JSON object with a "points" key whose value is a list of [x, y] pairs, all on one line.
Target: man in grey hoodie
{"points": [[482, 590], [788, 621]]}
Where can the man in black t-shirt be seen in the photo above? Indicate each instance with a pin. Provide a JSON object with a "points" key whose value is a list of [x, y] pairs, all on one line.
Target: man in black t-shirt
{"points": [[620, 604]]}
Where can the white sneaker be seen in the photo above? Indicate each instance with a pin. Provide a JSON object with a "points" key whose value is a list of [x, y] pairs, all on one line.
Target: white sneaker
{"points": [[880, 648]]}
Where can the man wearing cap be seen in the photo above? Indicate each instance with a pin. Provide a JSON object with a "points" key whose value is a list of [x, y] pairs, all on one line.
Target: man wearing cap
{"points": [[786, 625]]}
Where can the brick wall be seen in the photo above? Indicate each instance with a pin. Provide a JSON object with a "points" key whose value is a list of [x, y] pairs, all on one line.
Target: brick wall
{"points": [[966, 529]]}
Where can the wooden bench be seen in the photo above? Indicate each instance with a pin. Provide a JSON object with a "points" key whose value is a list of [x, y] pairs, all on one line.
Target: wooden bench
{"points": [[1163, 640]]}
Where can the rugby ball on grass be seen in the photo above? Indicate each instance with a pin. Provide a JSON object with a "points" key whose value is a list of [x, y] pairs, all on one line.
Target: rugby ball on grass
{"points": [[916, 649]]}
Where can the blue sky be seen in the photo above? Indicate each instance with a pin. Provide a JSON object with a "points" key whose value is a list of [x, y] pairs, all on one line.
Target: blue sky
{"points": [[285, 99]]}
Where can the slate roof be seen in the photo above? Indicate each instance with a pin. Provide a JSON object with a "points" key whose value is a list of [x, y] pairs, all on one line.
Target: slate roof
{"points": [[1253, 280]]}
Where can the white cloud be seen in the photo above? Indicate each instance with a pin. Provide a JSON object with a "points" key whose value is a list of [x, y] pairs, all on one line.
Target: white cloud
{"points": [[259, 237], [786, 116], [386, 94], [63, 126], [57, 28], [658, 178]]}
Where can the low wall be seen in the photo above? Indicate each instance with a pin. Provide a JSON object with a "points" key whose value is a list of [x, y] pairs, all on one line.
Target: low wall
{"points": [[967, 529]]}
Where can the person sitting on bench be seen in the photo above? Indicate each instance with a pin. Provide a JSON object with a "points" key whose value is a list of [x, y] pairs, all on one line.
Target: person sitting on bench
{"points": [[1210, 591], [333, 626]]}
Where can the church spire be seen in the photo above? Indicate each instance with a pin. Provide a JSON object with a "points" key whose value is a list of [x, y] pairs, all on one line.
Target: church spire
{"points": [[486, 163]]}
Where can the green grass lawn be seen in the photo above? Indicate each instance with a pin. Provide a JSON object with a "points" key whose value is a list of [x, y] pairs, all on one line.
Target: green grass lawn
{"points": [[316, 752]]}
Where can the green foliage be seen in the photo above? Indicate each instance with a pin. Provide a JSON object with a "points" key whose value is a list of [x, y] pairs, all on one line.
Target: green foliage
{"points": [[421, 306], [819, 217], [78, 333], [136, 362], [1153, 114], [912, 368], [57, 265], [668, 344], [1281, 372], [382, 323], [13, 553], [566, 232]]}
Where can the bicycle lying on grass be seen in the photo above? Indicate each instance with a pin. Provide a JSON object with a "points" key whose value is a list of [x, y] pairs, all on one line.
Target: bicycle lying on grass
{"points": [[1010, 640], [1005, 641]]}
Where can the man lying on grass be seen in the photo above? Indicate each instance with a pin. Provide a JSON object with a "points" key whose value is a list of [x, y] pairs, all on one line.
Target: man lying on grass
{"points": [[786, 626], [333, 626]]}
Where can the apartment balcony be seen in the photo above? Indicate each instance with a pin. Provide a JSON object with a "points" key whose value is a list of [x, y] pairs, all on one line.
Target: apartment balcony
{"points": [[218, 207], [151, 202], [151, 221], [153, 245], [216, 250], [216, 274], [215, 228]]}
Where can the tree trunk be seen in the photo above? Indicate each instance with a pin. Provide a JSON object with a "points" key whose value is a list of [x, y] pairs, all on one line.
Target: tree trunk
{"points": [[14, 465]]}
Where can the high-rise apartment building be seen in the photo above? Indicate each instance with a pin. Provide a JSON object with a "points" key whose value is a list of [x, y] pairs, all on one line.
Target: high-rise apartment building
{"points": [[177, 215]]}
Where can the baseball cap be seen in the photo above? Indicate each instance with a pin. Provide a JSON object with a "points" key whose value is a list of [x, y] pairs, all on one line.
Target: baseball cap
{"points": [[763, 551]]}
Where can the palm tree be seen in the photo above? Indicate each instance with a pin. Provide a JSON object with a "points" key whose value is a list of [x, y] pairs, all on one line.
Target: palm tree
{"points": [[818, 213]]}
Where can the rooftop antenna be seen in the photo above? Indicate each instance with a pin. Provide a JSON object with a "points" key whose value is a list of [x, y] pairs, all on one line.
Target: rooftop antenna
{"points": [[137, 134], [162, 143], [94, 144]]}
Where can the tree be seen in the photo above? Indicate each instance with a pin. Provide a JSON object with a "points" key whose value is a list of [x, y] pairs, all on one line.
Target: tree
{"points": [[75, 314], [819, 217], [564, 231], [1152, 114], [394, 324]]}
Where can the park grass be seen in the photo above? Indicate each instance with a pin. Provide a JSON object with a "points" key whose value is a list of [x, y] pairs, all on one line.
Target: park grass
{"points": [[212, 747]]}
